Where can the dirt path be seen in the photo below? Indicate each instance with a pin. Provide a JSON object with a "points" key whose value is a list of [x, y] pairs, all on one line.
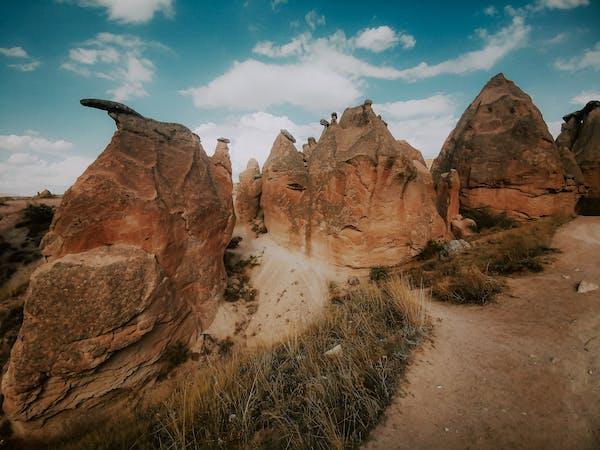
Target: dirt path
{"points": [[521, 373]]}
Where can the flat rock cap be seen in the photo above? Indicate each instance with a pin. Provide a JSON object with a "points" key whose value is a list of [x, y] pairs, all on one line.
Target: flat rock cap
{"points": [[225, 140], [288, 135], [109, 106]]}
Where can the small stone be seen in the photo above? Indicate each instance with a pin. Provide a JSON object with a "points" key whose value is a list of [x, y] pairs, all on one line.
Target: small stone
{"points": [[586, 286], [566, 277], [335, 351], [353, 281]]}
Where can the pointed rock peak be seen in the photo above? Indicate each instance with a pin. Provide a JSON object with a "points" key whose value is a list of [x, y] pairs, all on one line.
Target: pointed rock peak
{"points": [[109, 106], [368, 103], [288, 135], [498, 81], [252, 164], [312, 141], [221, 155]]}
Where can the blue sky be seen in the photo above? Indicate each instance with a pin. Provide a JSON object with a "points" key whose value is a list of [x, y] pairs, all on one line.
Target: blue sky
{"points": [[244, 69]]}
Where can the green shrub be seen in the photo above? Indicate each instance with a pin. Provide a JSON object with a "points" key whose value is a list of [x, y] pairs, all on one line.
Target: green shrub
{"points": [[378, 273]]}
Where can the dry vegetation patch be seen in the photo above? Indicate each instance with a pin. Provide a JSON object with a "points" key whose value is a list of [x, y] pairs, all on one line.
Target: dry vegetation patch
{"points": [[474, 275], [297, 394]]}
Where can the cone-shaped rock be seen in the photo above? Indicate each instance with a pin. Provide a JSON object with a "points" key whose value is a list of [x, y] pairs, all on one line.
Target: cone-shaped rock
{"points": [[134, 266], [222, 176], [360, 202], [505, 156]]}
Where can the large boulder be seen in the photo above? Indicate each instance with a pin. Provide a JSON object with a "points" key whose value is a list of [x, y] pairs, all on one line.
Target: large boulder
{"points": [[360, 200], [579, 140], [505, 156], [249, 190], [134, 266]]}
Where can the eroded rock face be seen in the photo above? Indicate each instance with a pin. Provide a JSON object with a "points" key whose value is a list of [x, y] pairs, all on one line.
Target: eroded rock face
{"points": [[505, 156], [222, 175], [579, 140], [249, 190], [360, 200], [134, 265], [447, 196]]}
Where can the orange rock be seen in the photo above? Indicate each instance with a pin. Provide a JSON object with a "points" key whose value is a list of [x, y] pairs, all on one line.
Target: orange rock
{"points": [[249, 191], [361, 201], [580, 142], [134, 265], [448, 191], [505, 156]]}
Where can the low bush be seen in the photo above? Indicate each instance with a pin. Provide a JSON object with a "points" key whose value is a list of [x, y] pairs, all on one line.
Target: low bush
{"points": [[378, 273], [467, 277], [486, 219]]}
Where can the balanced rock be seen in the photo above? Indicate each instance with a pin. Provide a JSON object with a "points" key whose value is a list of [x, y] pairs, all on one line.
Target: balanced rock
{"points": [[580, 141], [505, 156], [359, 202], [134, 266], [44, 194], [249, 190]]}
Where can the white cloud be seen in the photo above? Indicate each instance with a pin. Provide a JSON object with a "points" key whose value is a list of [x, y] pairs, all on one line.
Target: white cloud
{"points": [[424, 123], [116, 57], [382, 38], [558, 38], [583, 97], [253, 84], [26, 67], [325, 75], [496, 47], [276, 3], [560, 4], [490, 11], [313, 19], [131, 11], [30, 163], [589, 59], [554, 127], [14, 52], [252, 136], [26, 174], [33, 142], [296, 46]]}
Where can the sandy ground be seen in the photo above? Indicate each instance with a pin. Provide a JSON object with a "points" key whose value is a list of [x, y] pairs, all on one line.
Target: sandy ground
{"points": [[522, 373], [292, 291]]}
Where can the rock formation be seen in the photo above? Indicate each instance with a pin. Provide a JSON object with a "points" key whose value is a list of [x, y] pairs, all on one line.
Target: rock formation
{"points": [[579, 142], [134, 266], [222, 176], [359, 201], [411, 152], [308, 148], [505, 156], [247, 200]]}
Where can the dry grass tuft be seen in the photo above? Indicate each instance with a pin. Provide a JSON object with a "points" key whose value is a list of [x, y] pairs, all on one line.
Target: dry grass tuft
{"points": [[294, 395], [469, 277]]}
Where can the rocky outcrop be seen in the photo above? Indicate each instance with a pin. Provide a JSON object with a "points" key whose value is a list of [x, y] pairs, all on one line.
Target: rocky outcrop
{"points": [[249, 190], [506, 157], [579, 141], [410, 152], [359, 200], [134, 267], [283, 198], [222, 176], [308, 148]]}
